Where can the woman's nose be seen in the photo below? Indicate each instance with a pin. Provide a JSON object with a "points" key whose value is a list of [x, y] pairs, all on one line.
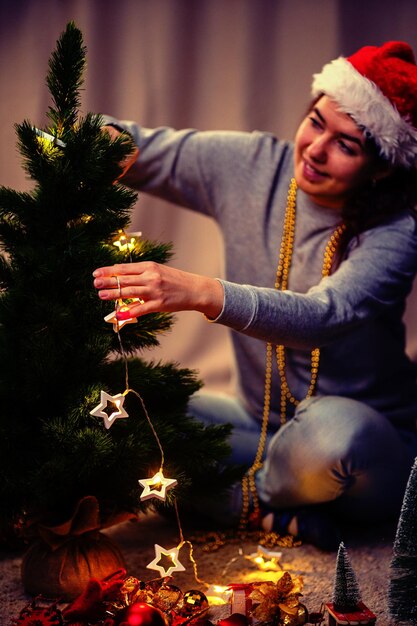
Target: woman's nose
{"points": [[317, 150]]}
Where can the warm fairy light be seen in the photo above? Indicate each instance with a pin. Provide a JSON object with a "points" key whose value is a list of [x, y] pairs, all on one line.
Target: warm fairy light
{"points": [[218, 595], [166, 561], [157, 486], [47, 139], [119, 323], [124, 241], [266, 560], [110, 408]]}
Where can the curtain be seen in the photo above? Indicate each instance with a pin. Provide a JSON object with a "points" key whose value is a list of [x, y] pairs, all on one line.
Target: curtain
{"points": [[207, 64]]}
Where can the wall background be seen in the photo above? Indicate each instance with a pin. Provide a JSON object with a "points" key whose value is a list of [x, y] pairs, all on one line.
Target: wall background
{"points": [[208, 64]]}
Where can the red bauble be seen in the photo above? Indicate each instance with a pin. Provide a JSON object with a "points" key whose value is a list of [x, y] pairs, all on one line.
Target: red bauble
{"points": [[235, 619], [142, 614]]}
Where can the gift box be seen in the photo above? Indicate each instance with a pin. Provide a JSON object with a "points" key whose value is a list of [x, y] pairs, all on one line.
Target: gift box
{"points": [[265, 603]]}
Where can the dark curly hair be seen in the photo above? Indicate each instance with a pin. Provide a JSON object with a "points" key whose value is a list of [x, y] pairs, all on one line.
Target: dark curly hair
{"points": [[377, 201]]}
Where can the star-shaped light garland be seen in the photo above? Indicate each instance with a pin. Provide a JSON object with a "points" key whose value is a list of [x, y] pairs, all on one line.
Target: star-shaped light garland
{"points": [[157, 486], [125, 241], [117, 401], [266, 560], [171, 556], [119, 323]]}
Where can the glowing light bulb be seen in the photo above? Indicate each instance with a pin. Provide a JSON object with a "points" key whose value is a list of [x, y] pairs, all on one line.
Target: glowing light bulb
{"points": [[156, 487], [124, 241], [166, 561], [110, 408]]}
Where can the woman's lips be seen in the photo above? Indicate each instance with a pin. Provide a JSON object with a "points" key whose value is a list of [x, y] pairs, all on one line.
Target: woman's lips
{"points": [[311, 174]]}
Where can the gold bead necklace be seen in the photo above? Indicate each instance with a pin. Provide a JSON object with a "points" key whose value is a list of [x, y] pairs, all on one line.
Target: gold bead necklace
{"points": [[281, 283]]}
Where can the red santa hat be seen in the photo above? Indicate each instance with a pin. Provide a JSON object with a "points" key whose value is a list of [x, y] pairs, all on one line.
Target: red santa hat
{"points": [[377, 87]]}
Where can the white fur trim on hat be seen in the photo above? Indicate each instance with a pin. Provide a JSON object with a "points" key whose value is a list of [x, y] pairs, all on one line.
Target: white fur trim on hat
{"points": [[364, 101]]}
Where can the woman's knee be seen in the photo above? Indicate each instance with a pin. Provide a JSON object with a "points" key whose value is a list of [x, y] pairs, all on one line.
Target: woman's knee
{"points": [[339, 426], [331, 446]]}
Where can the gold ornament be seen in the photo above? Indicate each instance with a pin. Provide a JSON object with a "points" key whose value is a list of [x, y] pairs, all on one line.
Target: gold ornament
{"points": [[274, 602], [166, 561], [110, 408], [157, 486], [281, 283]]}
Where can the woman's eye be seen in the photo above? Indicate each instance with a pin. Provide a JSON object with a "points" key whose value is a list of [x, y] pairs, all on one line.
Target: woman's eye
{"points": [[315, 122], [346, 148]]}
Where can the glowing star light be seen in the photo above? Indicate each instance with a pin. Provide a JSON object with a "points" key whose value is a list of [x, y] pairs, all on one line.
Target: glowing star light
{"points": [[156, 487], [125, 241], [266, 560], [48, 139], [119, 323], [166, 561], [110, 408]]}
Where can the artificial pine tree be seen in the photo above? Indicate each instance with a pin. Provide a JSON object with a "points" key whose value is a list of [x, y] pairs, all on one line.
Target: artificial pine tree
{"points": [[402, 596], [58, 353], [346, 594], [347, 606]]}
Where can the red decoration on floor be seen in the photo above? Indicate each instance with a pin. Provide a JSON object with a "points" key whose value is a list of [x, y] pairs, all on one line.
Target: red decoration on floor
{"points": [[90, 605], [33, 615], [362, 616], [142, 614]]}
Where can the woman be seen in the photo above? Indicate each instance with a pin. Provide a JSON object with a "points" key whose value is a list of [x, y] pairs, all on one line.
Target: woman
{"points": [[321, 250]]}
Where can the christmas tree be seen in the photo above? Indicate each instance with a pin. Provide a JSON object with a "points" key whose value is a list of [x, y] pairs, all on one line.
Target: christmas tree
{"points": [[60, 358], [402, 598], [346, 595]]}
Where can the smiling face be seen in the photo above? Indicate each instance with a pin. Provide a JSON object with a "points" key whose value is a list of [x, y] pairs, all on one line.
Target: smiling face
{"points": [[331, 158]]}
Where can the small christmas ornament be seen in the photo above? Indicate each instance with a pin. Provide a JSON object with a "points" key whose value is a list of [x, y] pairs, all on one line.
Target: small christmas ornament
{"points": [[119, 322], [166, 561], [346, 594], [235, 619], [110, 408], [347, 607], [156, 487], [193, 602], [192, 609], [142, 614], [279, 602], [33, 615], [167, 597]]}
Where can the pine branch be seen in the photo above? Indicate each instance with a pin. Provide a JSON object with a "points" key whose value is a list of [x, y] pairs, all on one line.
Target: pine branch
{"points": [[65, 78]]}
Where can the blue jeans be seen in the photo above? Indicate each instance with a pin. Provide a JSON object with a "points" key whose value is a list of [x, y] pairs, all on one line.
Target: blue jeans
{"points": [[334, 450]]}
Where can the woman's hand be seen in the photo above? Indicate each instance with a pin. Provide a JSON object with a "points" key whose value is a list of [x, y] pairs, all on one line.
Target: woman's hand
{"points": [[131, 158], [159, 288]]}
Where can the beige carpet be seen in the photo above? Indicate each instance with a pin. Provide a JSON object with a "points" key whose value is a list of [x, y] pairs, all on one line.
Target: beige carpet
{"points": [[370, 555]]}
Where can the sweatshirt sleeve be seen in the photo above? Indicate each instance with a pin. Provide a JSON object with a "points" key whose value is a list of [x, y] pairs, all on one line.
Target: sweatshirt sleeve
{"points": [[199, 170], [377, 274]]}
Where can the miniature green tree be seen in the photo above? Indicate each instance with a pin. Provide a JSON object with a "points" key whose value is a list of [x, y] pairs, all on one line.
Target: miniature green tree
{"points": [[346, 595], [402, 596], [57, 352]]}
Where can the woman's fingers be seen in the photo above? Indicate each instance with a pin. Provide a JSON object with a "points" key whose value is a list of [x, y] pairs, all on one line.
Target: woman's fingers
{"points": [[160, 288]]}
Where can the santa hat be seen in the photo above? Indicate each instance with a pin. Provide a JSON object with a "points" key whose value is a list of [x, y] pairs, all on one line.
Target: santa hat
{"points": [[377, 87]]}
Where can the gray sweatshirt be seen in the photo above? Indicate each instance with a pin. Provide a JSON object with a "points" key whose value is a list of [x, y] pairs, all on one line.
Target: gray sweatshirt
{"points": [[354, 315]]}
